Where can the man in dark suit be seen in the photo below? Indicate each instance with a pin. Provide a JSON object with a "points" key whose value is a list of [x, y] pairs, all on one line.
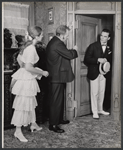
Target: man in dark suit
{"points": [[96, 54], [60, 72]]}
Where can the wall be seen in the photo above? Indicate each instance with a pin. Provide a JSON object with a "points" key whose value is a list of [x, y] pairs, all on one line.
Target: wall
{"points": [[41, 16]]}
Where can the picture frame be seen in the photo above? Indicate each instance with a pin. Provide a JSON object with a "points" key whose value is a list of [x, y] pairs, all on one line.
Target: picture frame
{"points": [[51, 15], [50, 36]]}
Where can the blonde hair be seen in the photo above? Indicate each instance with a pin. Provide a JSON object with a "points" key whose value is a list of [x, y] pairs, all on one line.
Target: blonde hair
{"points": [[33, 31]]}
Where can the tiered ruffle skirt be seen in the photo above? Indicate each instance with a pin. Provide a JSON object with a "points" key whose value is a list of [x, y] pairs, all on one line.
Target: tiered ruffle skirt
{"points": [[25, 89]]}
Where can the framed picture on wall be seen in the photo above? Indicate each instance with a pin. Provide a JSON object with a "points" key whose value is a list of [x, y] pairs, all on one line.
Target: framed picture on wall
{"points": [[51, 15], [50, 36]]}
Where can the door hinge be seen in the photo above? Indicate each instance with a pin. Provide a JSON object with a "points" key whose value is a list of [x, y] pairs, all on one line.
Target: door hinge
{"points": [[76, 24]]}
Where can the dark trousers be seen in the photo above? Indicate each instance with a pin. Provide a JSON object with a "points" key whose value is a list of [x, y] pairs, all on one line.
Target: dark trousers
{"points": [[42, 99], [56, 103]]}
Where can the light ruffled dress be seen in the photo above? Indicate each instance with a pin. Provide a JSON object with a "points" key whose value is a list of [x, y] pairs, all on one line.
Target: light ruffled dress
{"points": [[25, 89]]}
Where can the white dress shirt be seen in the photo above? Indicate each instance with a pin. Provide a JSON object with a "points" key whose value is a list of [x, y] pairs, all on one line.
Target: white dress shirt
{"points": [[104, 48]]}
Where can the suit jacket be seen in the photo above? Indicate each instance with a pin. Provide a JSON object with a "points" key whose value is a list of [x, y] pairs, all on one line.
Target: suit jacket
{"points": [[58, 61], [94, 51]]}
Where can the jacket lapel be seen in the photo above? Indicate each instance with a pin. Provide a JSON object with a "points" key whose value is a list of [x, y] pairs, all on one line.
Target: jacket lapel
{"points": [[100, 48]]}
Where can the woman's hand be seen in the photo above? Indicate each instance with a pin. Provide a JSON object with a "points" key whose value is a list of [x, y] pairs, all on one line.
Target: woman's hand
{"points": [[45, 73]]}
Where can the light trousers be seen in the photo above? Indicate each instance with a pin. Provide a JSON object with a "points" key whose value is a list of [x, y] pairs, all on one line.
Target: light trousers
{"points": [[97, 93]]}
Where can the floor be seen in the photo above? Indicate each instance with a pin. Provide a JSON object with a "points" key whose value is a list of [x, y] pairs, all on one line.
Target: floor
{"points": [[82, 132]]}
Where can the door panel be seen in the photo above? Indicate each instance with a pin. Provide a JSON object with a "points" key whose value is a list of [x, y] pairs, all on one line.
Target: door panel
{"points": [[85, 35]]}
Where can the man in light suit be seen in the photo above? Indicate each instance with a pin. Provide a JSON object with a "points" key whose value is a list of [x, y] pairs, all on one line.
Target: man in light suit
{"points": [[60, 72], [97, 53]]}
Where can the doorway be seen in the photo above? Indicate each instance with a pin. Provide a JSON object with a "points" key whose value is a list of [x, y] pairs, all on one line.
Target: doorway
{"points": [[87, 32]]}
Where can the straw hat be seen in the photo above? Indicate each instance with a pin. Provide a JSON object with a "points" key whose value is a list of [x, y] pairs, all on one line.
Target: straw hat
{"points": [[104, 68]]}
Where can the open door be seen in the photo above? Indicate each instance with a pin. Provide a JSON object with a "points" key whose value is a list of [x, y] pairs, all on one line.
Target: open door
{"points": [[86, 33]]}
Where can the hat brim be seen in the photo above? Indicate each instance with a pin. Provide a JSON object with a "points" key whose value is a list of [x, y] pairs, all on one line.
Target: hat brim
{"points": [[100, 68]]}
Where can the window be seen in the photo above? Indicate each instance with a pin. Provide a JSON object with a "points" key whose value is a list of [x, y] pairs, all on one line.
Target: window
{"points": [[15, 17]]}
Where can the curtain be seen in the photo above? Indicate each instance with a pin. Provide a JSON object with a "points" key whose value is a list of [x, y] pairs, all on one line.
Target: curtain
{"points": [[16, 17]]}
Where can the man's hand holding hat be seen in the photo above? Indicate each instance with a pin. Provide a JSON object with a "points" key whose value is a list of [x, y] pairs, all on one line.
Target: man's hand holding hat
{"points": [[102, 60], [104, 66]]}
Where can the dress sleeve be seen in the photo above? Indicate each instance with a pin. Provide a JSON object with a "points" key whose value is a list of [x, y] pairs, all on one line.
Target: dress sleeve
{"points": [[19, 60], [30, 55]]}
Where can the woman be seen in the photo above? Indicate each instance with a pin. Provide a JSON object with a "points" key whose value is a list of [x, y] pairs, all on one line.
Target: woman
{"points": [[24, 85]]}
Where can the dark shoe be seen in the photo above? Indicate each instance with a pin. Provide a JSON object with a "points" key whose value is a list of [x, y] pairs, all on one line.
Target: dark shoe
{"points": [[64, 122], [56, 129]]}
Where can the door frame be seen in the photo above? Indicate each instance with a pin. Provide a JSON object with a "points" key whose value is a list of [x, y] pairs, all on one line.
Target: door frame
{"points": [[71, 102]]}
